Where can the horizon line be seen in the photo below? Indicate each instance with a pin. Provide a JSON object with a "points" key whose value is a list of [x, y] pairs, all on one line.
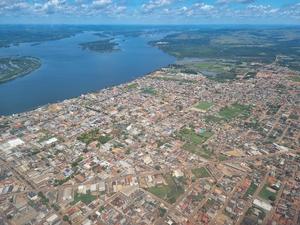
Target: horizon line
{"points": [[150, 24]]}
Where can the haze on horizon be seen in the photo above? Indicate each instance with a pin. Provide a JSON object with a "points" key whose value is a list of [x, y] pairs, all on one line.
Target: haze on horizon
{"points": [[149, 12]]}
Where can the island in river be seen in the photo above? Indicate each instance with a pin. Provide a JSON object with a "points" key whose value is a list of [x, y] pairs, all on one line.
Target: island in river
{"points": [[14, 67], [106, 45]]}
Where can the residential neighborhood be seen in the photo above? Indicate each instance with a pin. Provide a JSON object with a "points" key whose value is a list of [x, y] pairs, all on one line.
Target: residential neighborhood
{"points": [[168, 148]]}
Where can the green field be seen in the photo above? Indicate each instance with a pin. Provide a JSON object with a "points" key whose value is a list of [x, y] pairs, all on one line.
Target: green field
{"points": [[132, 86], [295, 78], [251, 190], [169, 192], [193, 141], [13, 67], [235, 110], [190, 136], [266, 194], [180, 80], [201, 151], [93, 135], [149, 90], [250, 45], [201, 172], [222, 157], [213, 119], [204, 105], [85, 198]]}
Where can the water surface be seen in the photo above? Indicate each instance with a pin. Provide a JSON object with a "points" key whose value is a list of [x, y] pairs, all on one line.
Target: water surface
{"points": [[68, 71]]}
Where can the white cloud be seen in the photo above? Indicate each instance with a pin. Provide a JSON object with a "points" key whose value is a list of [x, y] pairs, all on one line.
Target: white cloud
{"points": [[235, 1], [155, 4], [101, 3]]}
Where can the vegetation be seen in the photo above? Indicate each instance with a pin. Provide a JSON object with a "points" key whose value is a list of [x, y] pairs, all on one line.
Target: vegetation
{"points": [[222, 157], [44, 199], [201, 172], [256, 45], [267, 194], [251, 190], [66, 218], [190, 136], [94, 135], [169, 192], [149, 90], [294, 117], [193, 141], [55, 206], [100, 46], [295, 78], [76, 162], [29, 33], [204, 105], [173, 79], [60, 182], [104, 139], [212, 119], [132, 86], [235, 110], [13, 67], [252, 217], [85, 198], [162, 211]]}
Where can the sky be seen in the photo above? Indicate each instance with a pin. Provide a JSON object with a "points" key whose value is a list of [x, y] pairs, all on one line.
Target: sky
{"points": [[150, 12]]}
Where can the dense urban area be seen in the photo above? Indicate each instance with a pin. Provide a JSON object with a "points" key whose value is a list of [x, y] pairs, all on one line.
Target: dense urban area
{"points": [[173, 147]]}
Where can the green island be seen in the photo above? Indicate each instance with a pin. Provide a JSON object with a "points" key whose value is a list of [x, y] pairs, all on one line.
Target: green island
{"points": [[106, 45], [14, 67]]}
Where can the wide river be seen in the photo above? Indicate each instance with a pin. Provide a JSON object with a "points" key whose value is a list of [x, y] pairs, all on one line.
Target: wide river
{"points": [[67, 71]]}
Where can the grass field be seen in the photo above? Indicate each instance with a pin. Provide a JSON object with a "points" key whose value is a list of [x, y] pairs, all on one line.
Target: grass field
{"points": [[212, 66], [85, 198], [132, 86], [201, 151], [193, 141], [251, 190], [201, 172], [213, 119], [235, 110], [149, 90], [169, 192], [295, 79], [222, 157], [204, 105], [190, 136], [93, 135], [266, 194]]}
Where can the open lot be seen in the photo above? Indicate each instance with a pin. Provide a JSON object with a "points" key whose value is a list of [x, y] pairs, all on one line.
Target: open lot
{"points": [[203, 105], [201, 172], [267, 194], [169, 192]]}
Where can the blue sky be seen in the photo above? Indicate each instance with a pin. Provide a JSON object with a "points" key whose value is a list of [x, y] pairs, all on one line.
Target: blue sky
{"points": [[151, 11]]}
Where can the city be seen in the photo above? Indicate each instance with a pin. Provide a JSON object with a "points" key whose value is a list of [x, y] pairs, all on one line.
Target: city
{"points": [[168, 148]]}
